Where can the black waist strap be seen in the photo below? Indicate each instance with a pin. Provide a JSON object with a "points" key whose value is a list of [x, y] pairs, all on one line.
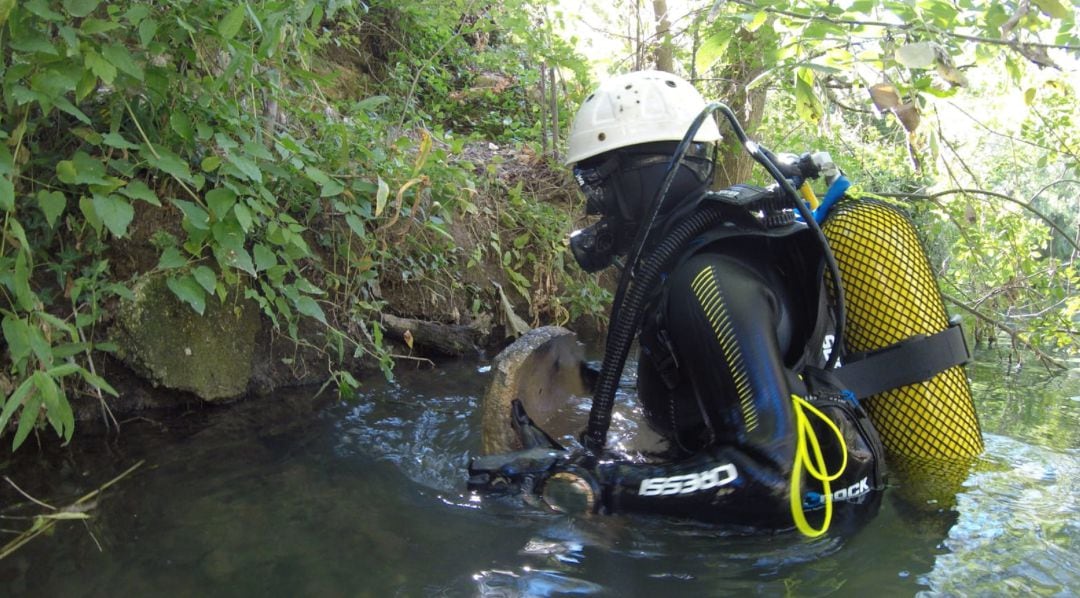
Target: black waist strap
{"points": [[912, 360]]}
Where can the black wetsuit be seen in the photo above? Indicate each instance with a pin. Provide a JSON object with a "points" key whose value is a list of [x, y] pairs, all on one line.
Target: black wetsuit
{"points": [[723, 345]]}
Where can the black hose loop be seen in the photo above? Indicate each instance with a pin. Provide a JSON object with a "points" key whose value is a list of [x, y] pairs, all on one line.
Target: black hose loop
{"points": [[621, 334]]}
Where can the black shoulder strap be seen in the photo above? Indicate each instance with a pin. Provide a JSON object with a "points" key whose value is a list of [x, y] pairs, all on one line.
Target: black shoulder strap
{"points": [[912, 360]]}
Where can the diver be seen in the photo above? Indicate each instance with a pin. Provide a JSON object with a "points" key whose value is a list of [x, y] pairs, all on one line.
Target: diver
{"points": [[729, 305]]}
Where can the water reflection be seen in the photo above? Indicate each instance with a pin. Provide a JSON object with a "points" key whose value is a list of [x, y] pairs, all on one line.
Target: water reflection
{"points": [[367, 499]]}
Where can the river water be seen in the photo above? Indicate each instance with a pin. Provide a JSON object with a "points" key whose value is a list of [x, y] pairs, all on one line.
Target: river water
{"points": [[301, 497]]}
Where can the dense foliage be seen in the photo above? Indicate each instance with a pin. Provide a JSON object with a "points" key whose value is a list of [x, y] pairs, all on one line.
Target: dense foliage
{"points": [[231, 140], [967, 111]]}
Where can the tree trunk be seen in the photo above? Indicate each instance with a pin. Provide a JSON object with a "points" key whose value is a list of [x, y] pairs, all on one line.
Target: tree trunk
{"points": [[747, 50], [665, 51]]}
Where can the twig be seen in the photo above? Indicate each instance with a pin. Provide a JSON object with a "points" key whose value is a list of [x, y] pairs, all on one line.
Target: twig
{"points": [[24, 493], [1002, 196], [1013, 334], [43, 524], [1011, 43]]}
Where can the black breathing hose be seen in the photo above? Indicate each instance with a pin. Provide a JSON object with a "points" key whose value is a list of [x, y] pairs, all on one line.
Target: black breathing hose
{"points": [[622, 331], [626, 310]]}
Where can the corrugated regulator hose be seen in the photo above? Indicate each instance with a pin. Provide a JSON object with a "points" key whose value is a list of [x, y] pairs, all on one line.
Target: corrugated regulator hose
{"points": [[623, 329]]}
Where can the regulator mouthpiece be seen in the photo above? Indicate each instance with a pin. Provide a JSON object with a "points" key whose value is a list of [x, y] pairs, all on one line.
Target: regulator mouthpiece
{"points": [[594, 247]]}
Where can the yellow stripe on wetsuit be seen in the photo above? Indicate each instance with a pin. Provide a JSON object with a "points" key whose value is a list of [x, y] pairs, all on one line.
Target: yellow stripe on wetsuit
{"points": [[712, 303]]}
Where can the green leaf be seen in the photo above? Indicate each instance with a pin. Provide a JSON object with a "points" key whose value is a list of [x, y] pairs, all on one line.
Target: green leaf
{"points": [[26, 297], [807, 104], [193, 213], [64, 369], [138, 190], [264, 257], [243, 217], [82, 169], [171, 258], [33, 44], [188, 290], [1054, 8], [116, 140], [50, 395], [230, 25], [246, 167], [52, 204], [27, 420], [166, 161], [65, 105], [38, 7], [210, 163], [147, 30], [92, 25], [356, 224], [712, 49], [309, 307], [121, 58], [14, 401], [97, 381], [331, 188], [86, 206], [180, 123], [115, 212], [381, 196], [220, 201], [100, 67], [7, 194], [17, 335], [205, 276], [80, 8]]}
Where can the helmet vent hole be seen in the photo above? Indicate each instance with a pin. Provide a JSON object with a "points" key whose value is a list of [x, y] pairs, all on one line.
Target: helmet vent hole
{"points": [[670, 83], [601, 136], [630, 86], [591, 96]]}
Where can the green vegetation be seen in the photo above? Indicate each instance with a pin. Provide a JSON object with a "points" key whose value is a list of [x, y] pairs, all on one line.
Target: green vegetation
{"points": [[307, 156], [279, 151], [966, 111]]}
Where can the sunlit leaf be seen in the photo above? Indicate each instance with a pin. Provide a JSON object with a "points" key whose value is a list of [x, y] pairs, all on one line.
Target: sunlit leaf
{"points": [[381, 196], [1054, 8], [919, 55]]}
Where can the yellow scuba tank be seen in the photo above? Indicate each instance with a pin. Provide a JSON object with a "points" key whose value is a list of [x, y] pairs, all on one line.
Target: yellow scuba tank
{"points": [[891, 295]]}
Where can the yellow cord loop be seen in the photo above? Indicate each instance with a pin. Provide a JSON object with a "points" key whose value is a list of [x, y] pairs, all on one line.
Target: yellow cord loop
{"points": [[814, 464]]}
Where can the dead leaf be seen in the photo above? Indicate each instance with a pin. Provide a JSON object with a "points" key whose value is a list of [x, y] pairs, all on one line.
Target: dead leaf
{"points": [[884, 96], [909, 116], [517, 325], [408, 338]]}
